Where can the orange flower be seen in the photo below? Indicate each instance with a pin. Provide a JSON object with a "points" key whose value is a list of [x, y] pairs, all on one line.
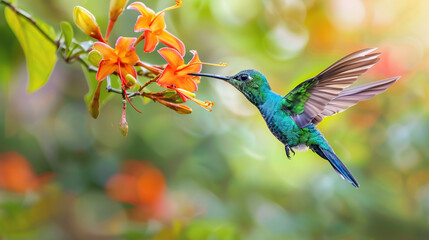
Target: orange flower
{"points": [[153, 26], [17, 175], [120, 60], [175, 74], [143, 185]]}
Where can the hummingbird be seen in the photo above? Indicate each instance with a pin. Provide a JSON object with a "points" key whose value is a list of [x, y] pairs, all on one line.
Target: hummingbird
{"points": [[293, 118]]}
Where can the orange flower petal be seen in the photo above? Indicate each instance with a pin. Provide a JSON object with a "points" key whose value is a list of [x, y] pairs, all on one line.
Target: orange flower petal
{"points": [[126, 51], [196, 79], [116, 190], [124, 44], [151, 186], [128, 69], [194, 66], [143, 23], [195, 58], [158, 24], [130, 58], [150, 42], [186, 83], [173, 57], [171, 41], [106, 68], [16, 173], [105, 50], [142, 9], [167, 77]]}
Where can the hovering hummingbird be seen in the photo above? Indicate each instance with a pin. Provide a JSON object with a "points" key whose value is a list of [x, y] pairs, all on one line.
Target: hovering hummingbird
{"points": [[293, 118]]}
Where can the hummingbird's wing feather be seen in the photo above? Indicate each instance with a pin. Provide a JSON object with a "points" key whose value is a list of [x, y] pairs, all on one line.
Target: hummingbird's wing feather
{"points": [[309, 99], [351, 96]]}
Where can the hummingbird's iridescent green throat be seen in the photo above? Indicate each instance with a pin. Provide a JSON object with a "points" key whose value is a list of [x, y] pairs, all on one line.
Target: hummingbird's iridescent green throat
{"points": [[293, 118], [250, 82]]}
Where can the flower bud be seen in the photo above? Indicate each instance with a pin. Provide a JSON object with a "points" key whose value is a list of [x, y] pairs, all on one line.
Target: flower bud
{"points": [[183, 109], [95, 57], [94, 108], [123, 125], [116, 8], [130, 81], [171, 95], [94, 104], [87, 23], [179, 108]]}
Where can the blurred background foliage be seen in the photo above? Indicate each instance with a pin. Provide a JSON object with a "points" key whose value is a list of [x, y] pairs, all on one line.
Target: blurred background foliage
{"points": [[221, 174]]}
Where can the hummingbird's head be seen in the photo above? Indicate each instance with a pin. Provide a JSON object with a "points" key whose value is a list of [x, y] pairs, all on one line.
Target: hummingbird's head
{"points": [[250, 82]]}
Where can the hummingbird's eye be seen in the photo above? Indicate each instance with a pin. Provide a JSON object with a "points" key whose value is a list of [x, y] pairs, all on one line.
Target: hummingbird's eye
{"points": [[244, 77]]}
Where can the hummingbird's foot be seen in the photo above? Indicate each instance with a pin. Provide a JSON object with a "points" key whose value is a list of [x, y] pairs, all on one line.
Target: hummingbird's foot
{"points": [[288, 150]]}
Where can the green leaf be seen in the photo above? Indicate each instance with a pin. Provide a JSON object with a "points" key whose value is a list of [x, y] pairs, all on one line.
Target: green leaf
{"points": [[92, 85], [8, 55], [210, 229], [39, 51], [67, 31]]}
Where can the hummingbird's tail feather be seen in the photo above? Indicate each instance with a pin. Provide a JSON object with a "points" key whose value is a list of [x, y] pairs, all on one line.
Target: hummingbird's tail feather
{"points": [[336, 163]]}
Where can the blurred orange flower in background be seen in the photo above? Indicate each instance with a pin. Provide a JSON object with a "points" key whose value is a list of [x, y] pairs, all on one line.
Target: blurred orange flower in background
{"points": [[17, 175], [141, 184], [153, 27]]}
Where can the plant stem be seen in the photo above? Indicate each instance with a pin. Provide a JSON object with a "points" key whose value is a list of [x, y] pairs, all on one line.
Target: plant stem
{"points": [[119, 91], [148, 82], [148, 95], [89, 67], [29, 18]]}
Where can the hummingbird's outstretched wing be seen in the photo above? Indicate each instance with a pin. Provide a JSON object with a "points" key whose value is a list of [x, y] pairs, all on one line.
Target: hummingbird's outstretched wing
{"points": [[309, 99], [351, 96]]}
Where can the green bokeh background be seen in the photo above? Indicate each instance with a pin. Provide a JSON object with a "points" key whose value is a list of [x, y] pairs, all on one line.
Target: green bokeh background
{"points": [[227, 176]]}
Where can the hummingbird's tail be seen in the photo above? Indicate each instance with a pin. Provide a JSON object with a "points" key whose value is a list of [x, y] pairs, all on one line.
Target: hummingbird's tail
{"points": [[336, 163]]}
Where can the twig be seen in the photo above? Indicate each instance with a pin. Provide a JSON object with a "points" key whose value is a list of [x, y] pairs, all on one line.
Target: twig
{"points": [[29, 18], [89, 67], [118, 91], [148, 82]]}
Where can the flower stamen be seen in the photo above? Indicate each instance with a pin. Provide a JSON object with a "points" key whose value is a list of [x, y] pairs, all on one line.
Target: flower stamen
{"points": [[123, 88], [207, 64], [178, 4], [188, 95]]}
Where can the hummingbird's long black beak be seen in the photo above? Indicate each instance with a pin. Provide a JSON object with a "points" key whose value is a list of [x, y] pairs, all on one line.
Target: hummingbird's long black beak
{"points": [[209, 75]]}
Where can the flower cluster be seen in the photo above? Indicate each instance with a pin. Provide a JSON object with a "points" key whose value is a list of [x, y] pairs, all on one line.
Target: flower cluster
{"points": [[124, 62]]}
